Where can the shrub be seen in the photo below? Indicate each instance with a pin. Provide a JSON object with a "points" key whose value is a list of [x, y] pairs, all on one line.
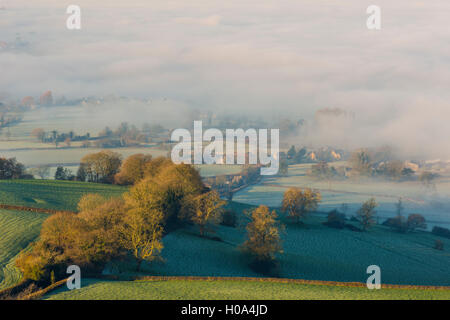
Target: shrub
{"points": [[439, 245], [229, 218], [397, 223], [416, 221], [335, 219], [442, 232]]}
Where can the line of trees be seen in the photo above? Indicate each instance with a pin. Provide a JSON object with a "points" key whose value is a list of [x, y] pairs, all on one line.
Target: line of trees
{"points": [[132, 225], [56, 137]]}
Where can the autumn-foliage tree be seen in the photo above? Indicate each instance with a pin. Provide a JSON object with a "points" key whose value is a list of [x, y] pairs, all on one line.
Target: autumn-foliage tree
{"points": [[90, 201], [204, 210], [107, 229], [88, 239], [143, 226], [366, 214], [133, 169], [101, 166], [263, 235], [298, 203]]}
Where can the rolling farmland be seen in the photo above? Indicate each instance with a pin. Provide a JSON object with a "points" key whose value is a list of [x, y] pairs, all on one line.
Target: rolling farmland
{"points": [[51, 194], [18, 229]]}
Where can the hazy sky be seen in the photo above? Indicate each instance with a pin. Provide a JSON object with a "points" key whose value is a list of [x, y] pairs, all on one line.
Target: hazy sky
{"points": [[268, 57]]}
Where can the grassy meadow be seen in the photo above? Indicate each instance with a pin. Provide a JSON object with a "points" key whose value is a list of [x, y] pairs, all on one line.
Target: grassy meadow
{"points": [[235, 290], [51, 194], [17, 229]]}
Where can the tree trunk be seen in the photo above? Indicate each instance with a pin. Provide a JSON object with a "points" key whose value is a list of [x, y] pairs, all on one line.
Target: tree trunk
{"points": [[138, 267]]}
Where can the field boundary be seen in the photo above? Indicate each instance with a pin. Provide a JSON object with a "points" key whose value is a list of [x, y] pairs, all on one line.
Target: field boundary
{"points": [[33, 209], [287, 280], [40, 293]]}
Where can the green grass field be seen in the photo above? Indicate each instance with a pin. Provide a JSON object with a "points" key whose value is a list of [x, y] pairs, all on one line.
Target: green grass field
{"points": [[239, 290], [17, 229], [51, 194]]}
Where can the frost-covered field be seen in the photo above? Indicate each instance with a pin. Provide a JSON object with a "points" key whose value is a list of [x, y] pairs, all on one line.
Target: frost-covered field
{"points": [[434, 205], [311, 251]]}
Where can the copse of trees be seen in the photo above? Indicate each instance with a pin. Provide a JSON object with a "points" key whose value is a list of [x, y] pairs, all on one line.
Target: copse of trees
{"points": [[12, 169], [298, 203], [126, 135], [64, 174], [294, 156], [56, 137], [401, 224], [89, 239], [99, 167], [416, 221], [131, 225]]}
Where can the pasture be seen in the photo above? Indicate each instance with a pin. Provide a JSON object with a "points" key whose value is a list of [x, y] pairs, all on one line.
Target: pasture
{"points": [[17, 229], [234, 290], [311, 251], [51, 194], [210, 170], [434, 205]]}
